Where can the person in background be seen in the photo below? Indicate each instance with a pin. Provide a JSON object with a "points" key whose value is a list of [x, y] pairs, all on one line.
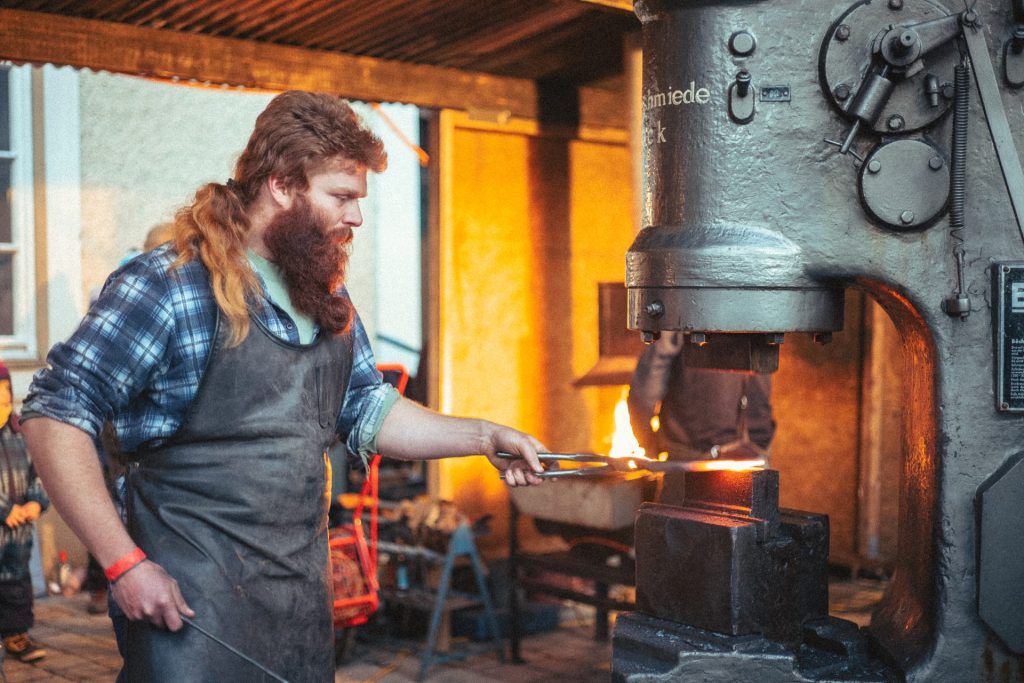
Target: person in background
{"points": [[228, 361], [157, 235], [22, 500], [701, 413]]}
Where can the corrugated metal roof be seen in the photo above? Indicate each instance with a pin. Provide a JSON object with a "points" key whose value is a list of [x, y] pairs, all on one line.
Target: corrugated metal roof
{"points": [[572, 40]]}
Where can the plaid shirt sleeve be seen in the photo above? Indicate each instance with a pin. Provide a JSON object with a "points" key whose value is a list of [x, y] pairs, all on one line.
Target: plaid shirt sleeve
{"points": [[111, 359], [367, 401]]}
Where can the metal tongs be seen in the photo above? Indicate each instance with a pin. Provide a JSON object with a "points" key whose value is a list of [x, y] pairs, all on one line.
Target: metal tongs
{"points": [[606, 464], [603, 464]]}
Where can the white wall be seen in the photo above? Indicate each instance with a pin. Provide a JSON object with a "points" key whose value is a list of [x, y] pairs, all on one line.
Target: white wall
{"points": [[396, 202]]}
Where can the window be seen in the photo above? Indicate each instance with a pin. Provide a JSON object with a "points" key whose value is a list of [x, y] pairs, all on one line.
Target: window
{"points": [[17, 278]]}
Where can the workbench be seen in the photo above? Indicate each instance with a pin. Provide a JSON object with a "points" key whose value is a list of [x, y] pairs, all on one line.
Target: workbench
{"points": [[600, 577]]}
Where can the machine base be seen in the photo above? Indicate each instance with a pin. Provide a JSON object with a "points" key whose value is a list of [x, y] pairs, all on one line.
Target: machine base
{"points": [[653, 650]]}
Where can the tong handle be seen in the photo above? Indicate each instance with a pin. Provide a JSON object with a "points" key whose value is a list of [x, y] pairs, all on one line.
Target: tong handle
{"points": [[575, 472], [602, 468], [573, 457]]}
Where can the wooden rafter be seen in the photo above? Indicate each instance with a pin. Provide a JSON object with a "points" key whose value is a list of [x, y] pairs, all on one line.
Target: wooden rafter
{"points": [[48, 38], [101, 45]]}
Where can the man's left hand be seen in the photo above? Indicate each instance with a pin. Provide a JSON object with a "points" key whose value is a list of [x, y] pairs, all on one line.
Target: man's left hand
{"points": [[522, 471]]}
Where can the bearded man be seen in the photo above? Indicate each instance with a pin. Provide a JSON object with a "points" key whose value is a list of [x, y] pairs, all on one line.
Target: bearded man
{"points": [[226, 362]]}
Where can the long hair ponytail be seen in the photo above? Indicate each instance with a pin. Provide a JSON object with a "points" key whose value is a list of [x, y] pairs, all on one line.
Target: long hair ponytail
{"points": [[215, 228]]}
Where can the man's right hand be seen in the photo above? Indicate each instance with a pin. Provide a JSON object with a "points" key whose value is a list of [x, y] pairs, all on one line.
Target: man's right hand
{"points": [[69, 467], [148, 593]]}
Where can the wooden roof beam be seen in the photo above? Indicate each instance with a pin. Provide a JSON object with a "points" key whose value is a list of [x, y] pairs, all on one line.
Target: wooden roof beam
{"points": [[40, 38]]}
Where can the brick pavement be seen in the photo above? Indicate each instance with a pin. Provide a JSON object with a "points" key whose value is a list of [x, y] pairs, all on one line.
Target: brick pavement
{"points": [[566, 654], [81, 647]]}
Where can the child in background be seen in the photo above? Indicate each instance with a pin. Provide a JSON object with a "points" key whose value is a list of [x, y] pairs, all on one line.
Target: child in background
{"points": [[22, 500]]}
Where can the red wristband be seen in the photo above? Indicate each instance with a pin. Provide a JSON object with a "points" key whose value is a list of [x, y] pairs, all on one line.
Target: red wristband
{"points": [[129, 561]]}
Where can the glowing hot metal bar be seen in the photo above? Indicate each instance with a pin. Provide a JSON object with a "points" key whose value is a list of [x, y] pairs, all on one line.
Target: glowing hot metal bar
{"points": [[605, 464]]}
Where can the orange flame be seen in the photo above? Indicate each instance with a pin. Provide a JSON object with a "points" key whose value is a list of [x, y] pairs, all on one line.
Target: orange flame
{"points": [[624, 444]]}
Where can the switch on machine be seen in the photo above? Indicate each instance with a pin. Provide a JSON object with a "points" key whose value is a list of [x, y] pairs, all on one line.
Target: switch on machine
{"points": [[741, 98]]}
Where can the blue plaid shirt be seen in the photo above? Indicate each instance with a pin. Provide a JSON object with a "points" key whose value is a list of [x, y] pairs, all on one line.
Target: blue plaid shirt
{"points": [[139, 354]]}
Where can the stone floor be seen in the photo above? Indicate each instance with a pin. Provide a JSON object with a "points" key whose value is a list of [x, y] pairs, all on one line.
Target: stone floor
{"points": [[568, 653], [81, 647]]}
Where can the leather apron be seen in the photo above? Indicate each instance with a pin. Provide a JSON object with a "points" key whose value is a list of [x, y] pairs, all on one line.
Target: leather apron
{"points": [[234, 507]]}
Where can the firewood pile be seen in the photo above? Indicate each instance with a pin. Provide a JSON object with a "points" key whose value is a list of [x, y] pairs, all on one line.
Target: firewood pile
{"points": [[425, 522]]}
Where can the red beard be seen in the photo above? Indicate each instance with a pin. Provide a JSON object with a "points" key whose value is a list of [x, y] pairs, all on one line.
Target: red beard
{"points": [[312, 262]]}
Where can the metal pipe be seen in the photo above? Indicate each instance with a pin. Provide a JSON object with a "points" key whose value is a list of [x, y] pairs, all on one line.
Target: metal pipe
{"points": [[232, 649]]}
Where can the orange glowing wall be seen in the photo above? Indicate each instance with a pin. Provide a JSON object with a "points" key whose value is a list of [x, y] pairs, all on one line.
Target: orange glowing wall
{"points": [[838, 446], [530, 222]]}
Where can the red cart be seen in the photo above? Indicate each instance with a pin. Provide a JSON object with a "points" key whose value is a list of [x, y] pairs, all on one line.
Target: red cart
{"points": [[354, 560], [353, 556]]}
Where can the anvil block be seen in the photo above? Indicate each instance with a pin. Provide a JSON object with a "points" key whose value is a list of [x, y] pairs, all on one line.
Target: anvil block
{"points": [[726, 572]]}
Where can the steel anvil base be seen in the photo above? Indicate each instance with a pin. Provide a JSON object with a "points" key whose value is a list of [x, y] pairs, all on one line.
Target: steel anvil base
{"points": [[733, 587], [663, 651]]}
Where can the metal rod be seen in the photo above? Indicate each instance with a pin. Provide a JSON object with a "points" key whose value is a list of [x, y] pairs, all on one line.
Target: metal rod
{"points": [[231, 649], [995, 115], [605, 464], [575, 457], [845, 146]]}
